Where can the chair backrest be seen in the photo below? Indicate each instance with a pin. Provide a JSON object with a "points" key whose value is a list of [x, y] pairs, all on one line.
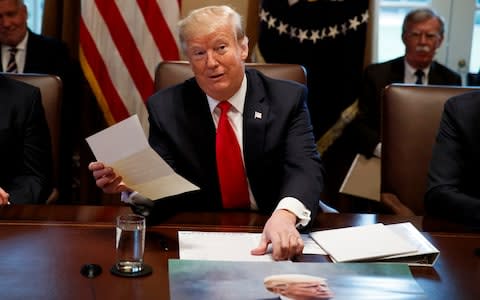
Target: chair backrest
{"points": [[169, 73], [51, 90], [410, 121], [473, 79]]}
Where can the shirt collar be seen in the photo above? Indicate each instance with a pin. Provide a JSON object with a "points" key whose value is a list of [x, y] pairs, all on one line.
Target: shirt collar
{"points": [[237, 100]]}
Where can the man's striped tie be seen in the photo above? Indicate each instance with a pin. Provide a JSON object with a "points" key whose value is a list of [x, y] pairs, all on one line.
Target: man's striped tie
{"points": [[12, 63]]}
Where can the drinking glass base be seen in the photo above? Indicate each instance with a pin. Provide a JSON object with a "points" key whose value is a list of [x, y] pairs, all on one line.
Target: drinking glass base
{"points": [[146, 270]]}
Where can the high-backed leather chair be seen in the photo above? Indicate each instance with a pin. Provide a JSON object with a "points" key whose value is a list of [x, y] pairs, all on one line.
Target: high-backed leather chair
{"points": [[51, 90], [473, 79], [410, 121], [169, 73]]}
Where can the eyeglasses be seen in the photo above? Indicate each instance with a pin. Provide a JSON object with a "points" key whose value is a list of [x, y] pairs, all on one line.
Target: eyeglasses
{"points": [[429, 36]]}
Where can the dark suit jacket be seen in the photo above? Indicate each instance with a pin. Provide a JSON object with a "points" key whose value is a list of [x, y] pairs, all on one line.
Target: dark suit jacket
{"points": [[279, 150], [364, 131], [25, 150], [453, 190]]}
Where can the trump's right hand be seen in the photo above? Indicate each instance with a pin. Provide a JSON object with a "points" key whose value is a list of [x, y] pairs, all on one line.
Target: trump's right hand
{"points": [[4, 196], [107, 179]]}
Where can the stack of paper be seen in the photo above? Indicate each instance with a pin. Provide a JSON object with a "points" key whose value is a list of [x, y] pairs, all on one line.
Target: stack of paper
{"points": [[378, 242]]}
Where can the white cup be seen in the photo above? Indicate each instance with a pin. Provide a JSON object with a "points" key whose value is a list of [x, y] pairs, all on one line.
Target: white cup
{"points": [[130, 243]]}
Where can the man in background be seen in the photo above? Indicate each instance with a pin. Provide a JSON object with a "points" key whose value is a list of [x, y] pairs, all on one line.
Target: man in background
{"points": [[25, 149], [32, 53], [23, 51], [422, 35]]}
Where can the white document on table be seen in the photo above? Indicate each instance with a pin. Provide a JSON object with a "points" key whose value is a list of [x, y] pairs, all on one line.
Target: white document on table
{"points": [[125, 148], [229, 246], [362, 243]]}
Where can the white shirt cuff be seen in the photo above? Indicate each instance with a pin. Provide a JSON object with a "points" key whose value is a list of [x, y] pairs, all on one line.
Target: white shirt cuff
{"points": [[127, 197], [296, 207]]}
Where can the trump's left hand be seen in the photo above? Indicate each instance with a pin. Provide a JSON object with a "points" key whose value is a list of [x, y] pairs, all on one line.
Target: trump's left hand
{"points": [[281, 232]]}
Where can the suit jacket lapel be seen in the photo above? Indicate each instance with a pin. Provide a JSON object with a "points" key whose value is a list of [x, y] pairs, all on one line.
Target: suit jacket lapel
{"points": [[398, 70], [255, 115], [33, 59], [201, 128], [200, 122], [433, 75], [37, 61]]}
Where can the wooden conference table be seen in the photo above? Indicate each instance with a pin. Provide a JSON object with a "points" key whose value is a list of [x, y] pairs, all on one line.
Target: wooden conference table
{"points": [[42, 249]]}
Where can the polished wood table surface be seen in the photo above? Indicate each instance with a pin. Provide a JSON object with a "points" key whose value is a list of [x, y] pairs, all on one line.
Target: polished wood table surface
{"points": [[42, 249]]}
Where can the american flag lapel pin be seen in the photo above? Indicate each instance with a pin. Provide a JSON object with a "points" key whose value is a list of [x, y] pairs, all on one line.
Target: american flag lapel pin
{"points": [[258, 115]]}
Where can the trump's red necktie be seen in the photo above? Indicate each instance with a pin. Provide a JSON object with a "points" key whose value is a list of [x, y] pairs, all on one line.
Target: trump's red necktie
{"points": [[231, 173]]}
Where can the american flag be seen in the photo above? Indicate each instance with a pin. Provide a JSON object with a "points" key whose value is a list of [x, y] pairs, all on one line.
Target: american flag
{"points": [[121, 43]]}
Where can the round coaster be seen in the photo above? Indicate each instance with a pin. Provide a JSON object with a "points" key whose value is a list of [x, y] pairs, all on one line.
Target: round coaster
{"points": [[147, 270]]}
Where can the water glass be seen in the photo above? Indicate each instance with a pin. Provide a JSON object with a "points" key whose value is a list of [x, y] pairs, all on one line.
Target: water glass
{"points": [[130, 243]]}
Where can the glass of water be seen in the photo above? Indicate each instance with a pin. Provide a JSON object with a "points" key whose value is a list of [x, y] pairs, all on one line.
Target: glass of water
{"points": [[130, 243]]}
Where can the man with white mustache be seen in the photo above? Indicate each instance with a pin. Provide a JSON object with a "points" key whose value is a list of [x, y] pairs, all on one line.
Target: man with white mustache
{"points": [[422, 35]]}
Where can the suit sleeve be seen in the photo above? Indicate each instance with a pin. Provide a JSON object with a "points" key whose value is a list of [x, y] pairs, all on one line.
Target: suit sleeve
{"points": [[447, 194], [303, 171], [33, 184], [157, 137]]}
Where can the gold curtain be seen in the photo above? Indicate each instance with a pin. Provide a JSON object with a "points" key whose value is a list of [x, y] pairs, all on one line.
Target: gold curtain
{"points": [[61, 20]]}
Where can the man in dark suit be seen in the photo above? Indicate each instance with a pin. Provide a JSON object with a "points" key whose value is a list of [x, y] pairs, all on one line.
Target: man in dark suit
{"points": [[270, 121], [422, 34], [452, 190], [25, 150], [45, 55], [36, 53]]}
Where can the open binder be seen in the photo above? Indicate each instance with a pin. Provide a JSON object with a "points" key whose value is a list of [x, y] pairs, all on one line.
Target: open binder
{"points": [[400, 242]]}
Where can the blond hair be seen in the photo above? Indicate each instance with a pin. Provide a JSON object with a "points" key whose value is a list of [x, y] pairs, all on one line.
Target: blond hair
{"points": [[208, 19]]}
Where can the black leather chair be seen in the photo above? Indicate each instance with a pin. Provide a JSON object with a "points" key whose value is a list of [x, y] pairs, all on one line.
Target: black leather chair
{"points": [[169, 73], [51, 90], [410, 120], [473, 79]]}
